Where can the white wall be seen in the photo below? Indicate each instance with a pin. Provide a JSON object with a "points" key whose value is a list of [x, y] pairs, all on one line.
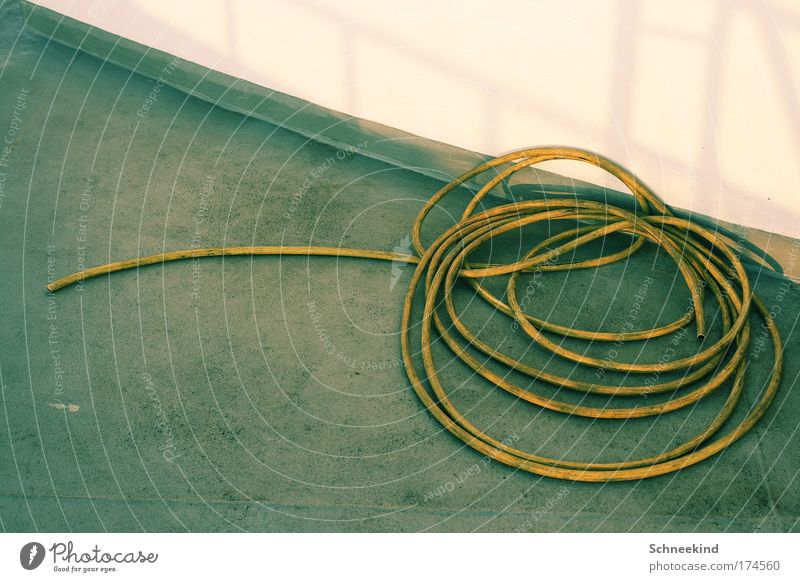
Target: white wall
{"points": [[700, 98]]}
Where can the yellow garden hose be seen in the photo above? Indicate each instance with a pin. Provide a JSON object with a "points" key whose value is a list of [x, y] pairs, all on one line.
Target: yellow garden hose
{"points": [[705, 258]]}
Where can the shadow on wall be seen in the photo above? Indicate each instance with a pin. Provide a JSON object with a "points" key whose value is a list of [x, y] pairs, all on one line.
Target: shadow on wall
{"points": [[699, 99]]}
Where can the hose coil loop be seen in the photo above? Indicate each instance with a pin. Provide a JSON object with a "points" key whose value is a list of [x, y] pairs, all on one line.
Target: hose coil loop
{"points": [[706, 260]]}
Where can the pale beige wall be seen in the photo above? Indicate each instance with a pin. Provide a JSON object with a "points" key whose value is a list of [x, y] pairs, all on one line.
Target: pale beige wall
{"points": [[699, 98]]}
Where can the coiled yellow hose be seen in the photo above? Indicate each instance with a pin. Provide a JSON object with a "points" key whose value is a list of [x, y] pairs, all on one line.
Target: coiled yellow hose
{"points": [[706, 259]]}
